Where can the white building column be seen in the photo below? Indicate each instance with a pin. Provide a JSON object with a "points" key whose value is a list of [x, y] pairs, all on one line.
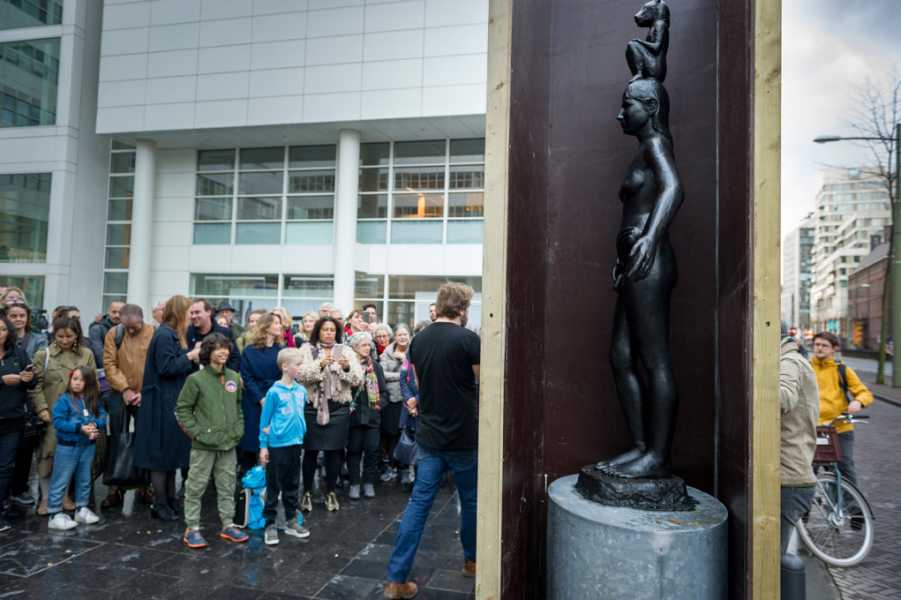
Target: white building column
{"points": [[142, 226], [346, 217]]}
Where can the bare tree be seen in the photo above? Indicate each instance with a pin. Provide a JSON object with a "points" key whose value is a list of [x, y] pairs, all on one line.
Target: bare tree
{"points": [[876, 114]]}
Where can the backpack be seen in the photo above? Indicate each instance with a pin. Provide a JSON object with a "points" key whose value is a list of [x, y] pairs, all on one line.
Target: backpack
{"points": [[843, 381]]}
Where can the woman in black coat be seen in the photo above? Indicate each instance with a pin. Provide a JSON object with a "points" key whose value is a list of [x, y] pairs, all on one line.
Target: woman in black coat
{"points": [[160, 445]]}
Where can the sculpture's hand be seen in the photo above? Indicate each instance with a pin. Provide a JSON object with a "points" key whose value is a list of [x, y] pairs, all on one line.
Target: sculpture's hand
{"points": [[641, 258]]}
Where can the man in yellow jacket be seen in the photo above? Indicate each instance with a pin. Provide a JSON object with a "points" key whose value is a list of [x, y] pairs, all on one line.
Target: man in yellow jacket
{"points": [[837, 395]]}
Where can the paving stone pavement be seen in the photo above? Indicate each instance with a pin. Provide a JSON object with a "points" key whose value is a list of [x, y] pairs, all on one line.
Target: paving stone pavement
{"points": [[138, 557], [878, 456]]}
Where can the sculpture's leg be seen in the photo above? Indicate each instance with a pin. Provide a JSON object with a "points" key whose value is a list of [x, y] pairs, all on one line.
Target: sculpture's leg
{"points": [[628, 386], [635, 58], [648, 315]]}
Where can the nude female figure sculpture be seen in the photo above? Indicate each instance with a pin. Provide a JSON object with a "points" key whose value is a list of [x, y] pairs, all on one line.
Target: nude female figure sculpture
{"points": [[644, 277]]}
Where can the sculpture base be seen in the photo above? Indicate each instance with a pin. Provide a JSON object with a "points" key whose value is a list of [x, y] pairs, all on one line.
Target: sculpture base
{"points": [[597, 552], [667, 494]]}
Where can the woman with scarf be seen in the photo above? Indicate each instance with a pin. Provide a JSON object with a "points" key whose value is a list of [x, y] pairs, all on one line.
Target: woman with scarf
{"points": [[365, 419], [391, 360], [330, 369]]}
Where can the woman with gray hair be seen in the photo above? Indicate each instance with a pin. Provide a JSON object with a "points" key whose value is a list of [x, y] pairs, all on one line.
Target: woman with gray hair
{"points": [[392, 359], [369, 399]]}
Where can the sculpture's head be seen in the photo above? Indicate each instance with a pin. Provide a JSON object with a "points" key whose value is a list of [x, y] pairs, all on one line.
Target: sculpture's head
{"points": [[645, 102], [651, 12]]}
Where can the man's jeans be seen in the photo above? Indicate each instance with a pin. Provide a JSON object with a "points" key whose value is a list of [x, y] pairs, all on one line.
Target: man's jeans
{"points": [[431, 465], [69, 461], [846, 464]]}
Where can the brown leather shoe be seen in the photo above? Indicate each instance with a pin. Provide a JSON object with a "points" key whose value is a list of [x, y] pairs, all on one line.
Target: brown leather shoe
{"points": [[469, 568], [400, 591]]}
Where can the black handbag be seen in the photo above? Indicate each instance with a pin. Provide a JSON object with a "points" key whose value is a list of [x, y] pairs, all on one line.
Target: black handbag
{"points": [[120, 454], [405, 450]]}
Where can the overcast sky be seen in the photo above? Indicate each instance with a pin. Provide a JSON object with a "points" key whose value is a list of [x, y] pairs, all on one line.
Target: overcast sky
{"points": [[829, 48]]}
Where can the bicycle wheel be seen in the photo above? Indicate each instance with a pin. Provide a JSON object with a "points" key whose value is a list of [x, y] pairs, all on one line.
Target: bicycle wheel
{"points": [[841, 538]]}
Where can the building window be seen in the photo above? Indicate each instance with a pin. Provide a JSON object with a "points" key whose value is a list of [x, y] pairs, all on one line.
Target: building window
{"points": [[15, 14], [249, 196], [29, 71], [24, 215], [120, 195], [428, 192], [406, 298], [31, 285], [298, 294]]}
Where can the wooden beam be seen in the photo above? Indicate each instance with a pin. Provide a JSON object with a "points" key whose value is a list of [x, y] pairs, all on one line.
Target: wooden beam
{"points": [[765, 424], [494, 298]]}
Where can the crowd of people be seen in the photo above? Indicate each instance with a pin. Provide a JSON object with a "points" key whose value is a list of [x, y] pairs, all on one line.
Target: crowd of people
{"points": [[213, 398]]}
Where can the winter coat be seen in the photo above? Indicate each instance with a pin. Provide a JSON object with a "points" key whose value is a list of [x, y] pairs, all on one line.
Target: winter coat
{"points": [[282, 422], [160, 444], [51, 383], [13, 398], [209, 409], [361, 413], [97, 333], [234, 357], [832, 397], [391, 367], [31, 342], [799, 403], [259, 370], [69, 416], [408, 389], [124, 365], [311, 373]]}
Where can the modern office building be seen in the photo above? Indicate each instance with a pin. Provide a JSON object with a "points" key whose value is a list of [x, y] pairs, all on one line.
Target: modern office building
{"points": [[269, 152], [852, 212], [797, 253], [52, 165]]}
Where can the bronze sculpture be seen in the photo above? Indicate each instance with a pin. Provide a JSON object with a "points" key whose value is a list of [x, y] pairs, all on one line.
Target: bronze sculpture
{"points": [[645, 271]]}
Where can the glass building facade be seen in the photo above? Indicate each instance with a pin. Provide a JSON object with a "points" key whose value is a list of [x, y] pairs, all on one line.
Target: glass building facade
{"points": [[29, 71]]}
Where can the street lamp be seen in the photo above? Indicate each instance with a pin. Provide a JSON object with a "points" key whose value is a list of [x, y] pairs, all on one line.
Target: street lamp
{"points": [[894, 260]]}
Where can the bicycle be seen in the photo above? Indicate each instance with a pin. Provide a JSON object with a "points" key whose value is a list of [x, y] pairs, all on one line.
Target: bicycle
{"points": [[838, 528]]}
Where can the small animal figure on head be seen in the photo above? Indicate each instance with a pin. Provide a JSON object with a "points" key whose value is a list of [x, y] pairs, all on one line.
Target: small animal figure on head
{"points": [[647, 58]]}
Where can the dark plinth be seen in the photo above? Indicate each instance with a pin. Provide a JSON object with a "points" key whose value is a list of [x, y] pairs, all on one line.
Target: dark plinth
{"points": [[667, 494]]}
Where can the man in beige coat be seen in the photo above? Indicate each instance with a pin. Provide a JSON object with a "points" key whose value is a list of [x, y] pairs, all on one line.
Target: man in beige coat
{"points": [[799, 398]]}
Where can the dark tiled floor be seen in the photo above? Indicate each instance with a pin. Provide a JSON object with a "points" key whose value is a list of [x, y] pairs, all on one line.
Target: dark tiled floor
{"points": [[137, 557]]}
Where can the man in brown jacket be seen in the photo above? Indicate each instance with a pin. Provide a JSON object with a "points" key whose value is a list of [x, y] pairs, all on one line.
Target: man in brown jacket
{"points": [[124, 353], [799, 398]]}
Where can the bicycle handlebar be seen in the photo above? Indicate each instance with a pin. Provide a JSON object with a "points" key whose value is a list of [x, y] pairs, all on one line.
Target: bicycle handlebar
{"points": [[849, 418]]}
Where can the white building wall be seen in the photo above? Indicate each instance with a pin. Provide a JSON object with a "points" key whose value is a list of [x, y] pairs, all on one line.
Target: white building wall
{"points": [[76, 159], [195, 64]]}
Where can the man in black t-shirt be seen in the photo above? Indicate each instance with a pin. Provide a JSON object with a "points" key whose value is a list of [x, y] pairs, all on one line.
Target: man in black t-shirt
{"points": [[445, 358]]}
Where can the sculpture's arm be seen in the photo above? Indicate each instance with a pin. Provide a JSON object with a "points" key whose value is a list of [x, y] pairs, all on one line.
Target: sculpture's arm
{"points": [[669, 199], [669, 188], [657, 38]]}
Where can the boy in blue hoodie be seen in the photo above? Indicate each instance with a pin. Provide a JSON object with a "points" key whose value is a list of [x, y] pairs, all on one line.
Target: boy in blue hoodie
{"points": [[282, 428]]}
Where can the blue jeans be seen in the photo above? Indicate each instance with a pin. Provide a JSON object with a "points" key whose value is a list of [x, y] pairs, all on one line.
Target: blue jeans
{"points": [[431, 465], [68, 461]]}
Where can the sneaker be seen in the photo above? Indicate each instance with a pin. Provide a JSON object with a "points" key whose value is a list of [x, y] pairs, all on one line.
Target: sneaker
{"points": [[23, 499], [368, 490], [86, 515], [4, 525], [194, 539], [62, 522], [331, 502], [306, 503], [295, 529], [354, 492], [407, 478], [400, 591], [233, 533], [469, 568], [163, 513], [270, 536], [390, 474]]}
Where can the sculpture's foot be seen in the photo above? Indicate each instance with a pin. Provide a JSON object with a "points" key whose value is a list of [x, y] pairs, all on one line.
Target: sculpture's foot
{"points": [[646, 466], [618, 460], [638, 75]]}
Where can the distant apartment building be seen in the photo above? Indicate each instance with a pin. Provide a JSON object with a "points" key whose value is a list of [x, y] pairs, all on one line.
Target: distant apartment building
{"points": [[865, 287], [852, 211], [797, 257]]}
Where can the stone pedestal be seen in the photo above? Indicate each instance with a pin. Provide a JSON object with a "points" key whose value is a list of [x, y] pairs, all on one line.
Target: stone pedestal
{"points": [[598, 552]]}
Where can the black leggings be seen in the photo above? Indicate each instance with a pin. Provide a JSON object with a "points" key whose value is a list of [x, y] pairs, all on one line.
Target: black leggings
{"points": [[363, 441], [333, 460], [163, 487]]}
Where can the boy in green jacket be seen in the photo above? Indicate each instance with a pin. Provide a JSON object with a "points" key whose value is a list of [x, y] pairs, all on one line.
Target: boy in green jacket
{"points": [[209, 411]]}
